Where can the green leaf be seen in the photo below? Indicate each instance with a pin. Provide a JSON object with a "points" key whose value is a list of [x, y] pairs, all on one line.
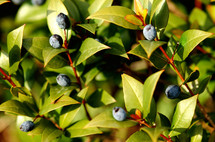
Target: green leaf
{"points": [[117, 47], [72, 9], [14, 46], [54, 8], [90, 27], [159, 16], [196, 133], [50, 133], [49, 53], [83, 8], [149, 88], [79, 130], [14, 106], [134, 20], [183, 115], [63, 101], [29, 102], [90, 75], [16, 90], [203, 84], [156, 59], [188, 41], [150, 46], [100, 98], [35, 46], [154, 133], [99, 4], [31, 13], [139, 136], [58, 91], [133, 93], [163, 121], [201, 17], [88, 48], [192, 76], [106, 120], [40, 126], [116, 15], [4, 60], [72, 114]]}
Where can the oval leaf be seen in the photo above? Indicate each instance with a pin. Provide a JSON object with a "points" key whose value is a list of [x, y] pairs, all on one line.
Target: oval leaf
{"points": [[139, 136], [133, 93], [79, 130], [106, 120], [183, 115], [14, 45], [90, 27], [88, 48], [193, 76], [116, 15], [150, 46], [54, 8], [188, 41]]}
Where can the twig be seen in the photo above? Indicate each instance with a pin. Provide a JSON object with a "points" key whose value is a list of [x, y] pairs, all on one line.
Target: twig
{"points": [[167, 139], [7, 77], [85, 108], [70, 60]]}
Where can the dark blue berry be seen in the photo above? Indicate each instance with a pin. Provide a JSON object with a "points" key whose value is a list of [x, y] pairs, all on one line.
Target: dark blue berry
{"points": [[172, 91], [63, 21], [38, 2], [56, 41], [17, 2], [27, 126], [63, 80], [149, 32], [119, 113]]}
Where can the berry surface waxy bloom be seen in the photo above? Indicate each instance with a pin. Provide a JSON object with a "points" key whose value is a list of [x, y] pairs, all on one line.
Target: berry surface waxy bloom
{"points": [[172, 91], [26, 126], [119, 113], [149, 32], [56, 41], [63, 21], [63, 80], [38, 2]]}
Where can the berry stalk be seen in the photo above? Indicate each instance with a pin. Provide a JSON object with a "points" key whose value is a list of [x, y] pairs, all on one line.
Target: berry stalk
{"points": [[70, 60]]}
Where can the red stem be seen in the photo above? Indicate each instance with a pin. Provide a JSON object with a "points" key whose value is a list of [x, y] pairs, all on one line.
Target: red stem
{"points": [[7, 77], [204, 52], [87, 113], [167, 139], [171, 62], [70, 60]]}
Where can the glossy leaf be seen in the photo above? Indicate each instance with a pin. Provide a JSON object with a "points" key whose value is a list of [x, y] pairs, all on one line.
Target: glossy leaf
{"points": [[58, 91], [49, 53], [54, 8], [133, 93], [72, 9], [40, 126], [31, 13], [90, 27], [100, 98], [72, 114], [150, 46], [117, 47], [156, 59], [159, 16], [16, 107], [188, 41], [14, 46], [203, 84], [88, 48], [115, 14], [192, 76], [79, 130], [16, 90], [63, 101], [149, 88], [106, 120], [133, 19], [50, 133], [4, 60], [154, 133], [183, 115], [139, 136], [196, 133], [90, 75]]}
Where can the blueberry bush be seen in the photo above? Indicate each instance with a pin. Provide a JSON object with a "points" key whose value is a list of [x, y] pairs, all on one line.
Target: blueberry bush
{"points": [[107, 70]]}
